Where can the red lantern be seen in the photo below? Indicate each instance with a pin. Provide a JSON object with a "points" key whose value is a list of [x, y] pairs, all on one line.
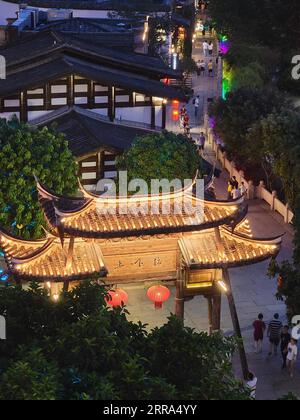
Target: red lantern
{"points": [[175, 110], [158, 295], [117, 298]]}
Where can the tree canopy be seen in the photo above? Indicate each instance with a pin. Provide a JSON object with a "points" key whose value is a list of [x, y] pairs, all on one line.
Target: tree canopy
{"points": [[79, 349], [236, 115], [25, 152], [269, 22], [160, 156]]}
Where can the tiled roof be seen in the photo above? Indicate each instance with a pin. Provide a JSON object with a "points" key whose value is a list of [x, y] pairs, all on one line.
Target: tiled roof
{"points": [[97, 217]]}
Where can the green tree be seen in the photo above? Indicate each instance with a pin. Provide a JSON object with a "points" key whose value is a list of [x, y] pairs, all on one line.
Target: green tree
{"points": [[160, 156], [236, 115], [272, 23], [274, 142], [79, 349], [252, 76], [32, 378], [25, 152]]}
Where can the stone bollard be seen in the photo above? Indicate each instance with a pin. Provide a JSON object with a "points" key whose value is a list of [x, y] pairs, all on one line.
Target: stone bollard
{"points": [[241, 176], [232, 168], [261, 187], [251, 190], [287, 214], [274, 196], [223, 162]]}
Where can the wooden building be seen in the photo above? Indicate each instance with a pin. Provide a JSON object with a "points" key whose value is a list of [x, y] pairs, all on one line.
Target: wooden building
{"points": [[91, 86], [50, 70], [107, 239]]}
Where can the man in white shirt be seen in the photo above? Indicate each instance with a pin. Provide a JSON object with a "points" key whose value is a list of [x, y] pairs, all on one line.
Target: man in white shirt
{"points": [[205, 48], [292, 356], [252, 384], [235, 193], [196, 105]]}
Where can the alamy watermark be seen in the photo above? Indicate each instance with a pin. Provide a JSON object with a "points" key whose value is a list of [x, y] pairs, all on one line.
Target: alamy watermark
{"points": [[159, 197], [2, 328], [2, 67], [296, 67]]}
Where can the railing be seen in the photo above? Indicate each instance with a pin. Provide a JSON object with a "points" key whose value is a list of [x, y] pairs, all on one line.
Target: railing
{"points": [[253, 191]]}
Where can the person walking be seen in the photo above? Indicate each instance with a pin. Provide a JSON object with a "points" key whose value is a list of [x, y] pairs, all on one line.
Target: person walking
{"points": [[210, 48], [202, 140], [197, 105], [252, 384], [274, 334], [205, 48], [186, 124], [284, 344], [292, 356], [210, 67], [259, 330], [235, 193], [234, 182], [199, 64], [201, 67], [229, 190], [183, 113], [243, 189]]}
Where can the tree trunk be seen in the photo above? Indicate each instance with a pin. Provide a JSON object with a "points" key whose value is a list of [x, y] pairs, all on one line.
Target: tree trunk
{"points": [[236, 324]]}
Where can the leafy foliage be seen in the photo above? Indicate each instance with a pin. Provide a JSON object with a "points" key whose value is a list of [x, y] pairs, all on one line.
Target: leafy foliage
{"points": [[266, 31], [160, 156], [236, 115], [25, 152], [78, 349], [272, 23], [274, 141]]}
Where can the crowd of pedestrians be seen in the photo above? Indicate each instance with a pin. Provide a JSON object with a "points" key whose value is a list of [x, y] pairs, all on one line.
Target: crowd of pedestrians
{"points": [[279, 337], [236, 190]]}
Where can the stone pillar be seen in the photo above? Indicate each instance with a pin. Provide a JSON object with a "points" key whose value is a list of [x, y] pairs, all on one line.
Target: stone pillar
{"points": [[274, 196], [179, 291], [210, 315], [287, 213], [251, 190], [232, 169], [260, 190], [224, 157], [216, 312], [179, 298]]}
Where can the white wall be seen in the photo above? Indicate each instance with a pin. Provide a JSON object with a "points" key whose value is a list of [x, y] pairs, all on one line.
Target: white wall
{"points": [[101, 111], [139, 114], [9, 115], [7, 10], [32, 115], [97, 14], [158, 116]]}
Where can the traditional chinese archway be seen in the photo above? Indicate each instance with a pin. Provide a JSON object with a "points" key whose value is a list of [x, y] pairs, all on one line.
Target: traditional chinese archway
{"points": [[91, 236]]}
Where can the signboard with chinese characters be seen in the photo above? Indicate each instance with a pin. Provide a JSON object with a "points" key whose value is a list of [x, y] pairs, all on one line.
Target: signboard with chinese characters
{"points": [[140, 259]]}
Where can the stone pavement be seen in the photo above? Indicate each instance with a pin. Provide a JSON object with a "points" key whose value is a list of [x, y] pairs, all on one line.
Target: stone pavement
{"points": [[253, 291]]}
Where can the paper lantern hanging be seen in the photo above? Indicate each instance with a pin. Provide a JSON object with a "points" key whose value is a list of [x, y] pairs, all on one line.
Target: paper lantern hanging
{"points": [[116, 298], [158, 295]]}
